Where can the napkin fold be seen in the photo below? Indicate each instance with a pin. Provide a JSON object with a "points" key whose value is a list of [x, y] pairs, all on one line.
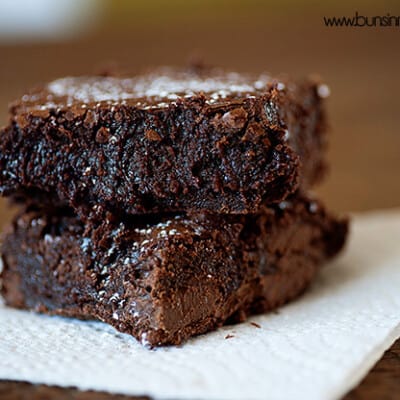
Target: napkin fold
{"points": [[318, 347]]}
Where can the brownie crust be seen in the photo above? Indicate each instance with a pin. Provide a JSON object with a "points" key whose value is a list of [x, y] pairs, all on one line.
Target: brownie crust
{"points": [[164, 141], [166, 279]]}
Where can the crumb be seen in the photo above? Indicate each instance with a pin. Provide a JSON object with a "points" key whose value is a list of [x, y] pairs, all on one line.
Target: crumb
{"points": [[276, 312], [255, 324], [229, 336]]}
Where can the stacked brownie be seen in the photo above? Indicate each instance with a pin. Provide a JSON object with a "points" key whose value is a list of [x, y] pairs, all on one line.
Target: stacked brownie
{"points": [[166, 204]]}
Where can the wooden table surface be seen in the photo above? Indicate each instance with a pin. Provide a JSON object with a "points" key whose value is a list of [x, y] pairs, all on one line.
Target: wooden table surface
{"points": [[361, 65]]}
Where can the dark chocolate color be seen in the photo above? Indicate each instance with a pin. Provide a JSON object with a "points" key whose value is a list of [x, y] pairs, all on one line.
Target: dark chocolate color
{"points": [[164, 279], [164, 141]]}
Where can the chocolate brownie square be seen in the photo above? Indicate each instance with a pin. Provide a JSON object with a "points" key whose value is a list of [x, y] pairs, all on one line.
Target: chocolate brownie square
{"points": [[165, 141], [166, 278]]}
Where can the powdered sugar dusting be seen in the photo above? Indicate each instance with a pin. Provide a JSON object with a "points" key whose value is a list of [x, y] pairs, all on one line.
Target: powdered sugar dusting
{"points": [[163, 88], [323, 91]]}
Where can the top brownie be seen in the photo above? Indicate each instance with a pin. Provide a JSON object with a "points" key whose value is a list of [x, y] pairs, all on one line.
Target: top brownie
{"points": [[167, 140]]}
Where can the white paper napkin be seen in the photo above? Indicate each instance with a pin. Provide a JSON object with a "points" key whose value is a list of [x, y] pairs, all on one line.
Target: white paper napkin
{"points": [[319, 347]]}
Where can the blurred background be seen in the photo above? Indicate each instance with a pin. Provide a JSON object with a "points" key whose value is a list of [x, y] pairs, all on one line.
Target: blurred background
{"points": [[45, 39]]}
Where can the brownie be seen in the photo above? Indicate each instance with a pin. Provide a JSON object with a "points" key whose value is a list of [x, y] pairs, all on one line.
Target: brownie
{"points": [[164, 141], [166, 278]]}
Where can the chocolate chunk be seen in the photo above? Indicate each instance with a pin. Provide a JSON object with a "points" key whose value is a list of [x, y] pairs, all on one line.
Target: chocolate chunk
{"points": [[102, 135], [152, 135], [235, 119]]}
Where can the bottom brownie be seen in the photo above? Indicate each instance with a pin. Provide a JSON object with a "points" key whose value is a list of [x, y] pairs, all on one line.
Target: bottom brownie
{"points": [[166, 279]]}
